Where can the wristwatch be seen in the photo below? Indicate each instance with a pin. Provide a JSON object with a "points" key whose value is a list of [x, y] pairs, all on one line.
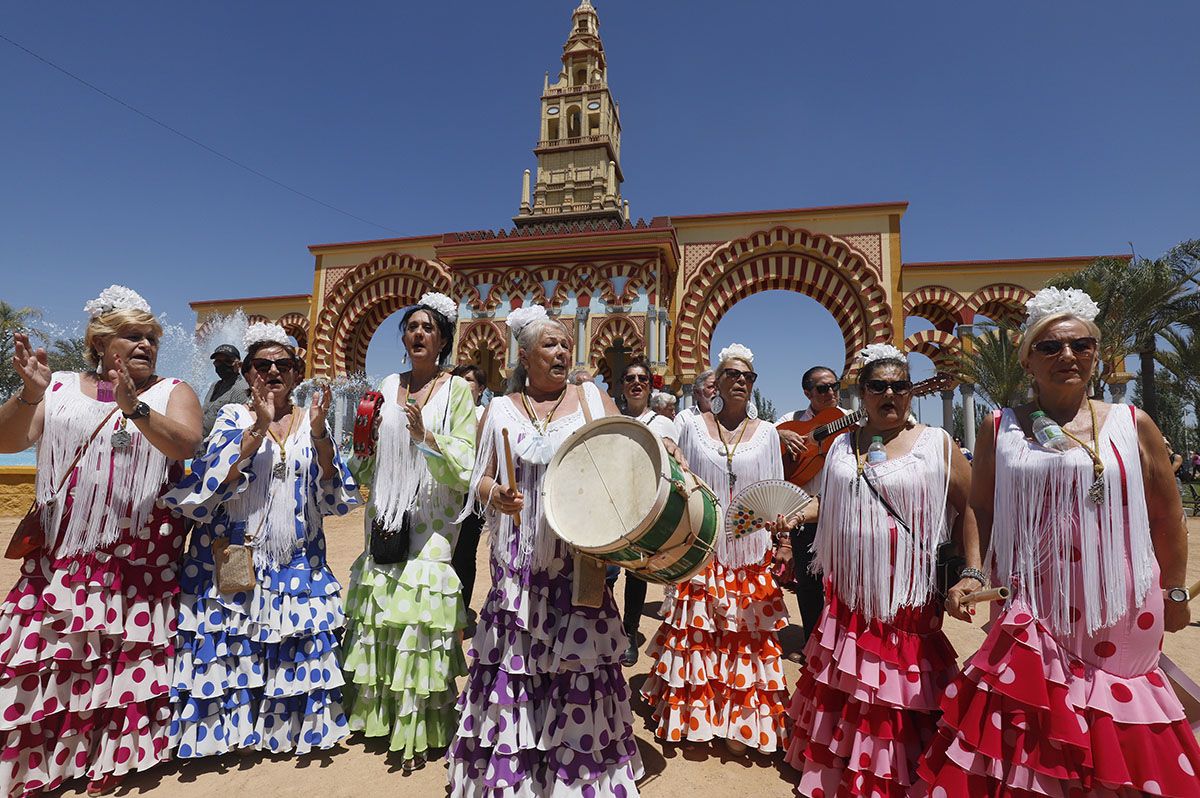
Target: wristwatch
{"points": [[1179, 595], [141, 411]]}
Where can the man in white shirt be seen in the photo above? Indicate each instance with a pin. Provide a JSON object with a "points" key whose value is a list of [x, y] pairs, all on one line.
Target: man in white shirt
{"points": [[704, 388], [821, 386]]}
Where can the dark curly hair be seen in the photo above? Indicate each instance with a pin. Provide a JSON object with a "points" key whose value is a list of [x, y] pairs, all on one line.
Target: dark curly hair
{"points": [[444, 325]]}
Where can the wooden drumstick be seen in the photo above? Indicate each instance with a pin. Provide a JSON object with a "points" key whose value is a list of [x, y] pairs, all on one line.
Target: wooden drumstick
{"points": [[994, 594], [1194, 591], [509, 470]]}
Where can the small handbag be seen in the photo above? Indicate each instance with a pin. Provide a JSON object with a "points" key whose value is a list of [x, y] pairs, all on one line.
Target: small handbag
{"points": [[30, 535], [390, 546], [234, 566]]}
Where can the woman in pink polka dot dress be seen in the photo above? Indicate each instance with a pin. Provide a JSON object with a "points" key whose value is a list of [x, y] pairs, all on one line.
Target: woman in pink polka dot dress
{"points": [[1065, 697], [86, 634]]}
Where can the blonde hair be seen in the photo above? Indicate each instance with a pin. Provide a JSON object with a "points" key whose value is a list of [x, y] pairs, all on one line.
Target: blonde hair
{"points": [[1035, 330], [108, 325]]}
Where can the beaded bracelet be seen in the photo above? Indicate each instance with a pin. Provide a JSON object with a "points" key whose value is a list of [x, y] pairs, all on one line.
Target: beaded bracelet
{"points": [[973, 573]]}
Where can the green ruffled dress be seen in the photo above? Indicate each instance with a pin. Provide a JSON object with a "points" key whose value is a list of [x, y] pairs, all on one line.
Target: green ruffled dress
{"points": [[402, 650]]}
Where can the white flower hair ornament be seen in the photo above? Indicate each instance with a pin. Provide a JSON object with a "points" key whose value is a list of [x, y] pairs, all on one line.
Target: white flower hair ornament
{"points": [[735, 352], [260, 332], [1055, 301], [442, 304], [875, 352], [520, 318], [114, 298]]}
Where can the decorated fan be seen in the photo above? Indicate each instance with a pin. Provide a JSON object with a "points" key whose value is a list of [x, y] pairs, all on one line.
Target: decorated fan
{"points": [[760, 504]]}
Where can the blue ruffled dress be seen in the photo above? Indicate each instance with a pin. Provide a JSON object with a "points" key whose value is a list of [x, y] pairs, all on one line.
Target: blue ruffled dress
{"points": [[259, 669]]}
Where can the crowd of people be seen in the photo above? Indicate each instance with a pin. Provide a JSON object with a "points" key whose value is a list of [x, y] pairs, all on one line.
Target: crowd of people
{"points": [[168, 613]]}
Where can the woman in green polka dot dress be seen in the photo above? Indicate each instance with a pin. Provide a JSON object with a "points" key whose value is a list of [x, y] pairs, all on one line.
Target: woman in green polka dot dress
{"points": [[404, 608]]}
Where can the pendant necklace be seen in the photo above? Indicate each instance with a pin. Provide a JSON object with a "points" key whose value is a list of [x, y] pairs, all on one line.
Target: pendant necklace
{"points": [[279, 470], [729, 451], [408, 396], [1096, 492], [122, 439], [537, 448]]}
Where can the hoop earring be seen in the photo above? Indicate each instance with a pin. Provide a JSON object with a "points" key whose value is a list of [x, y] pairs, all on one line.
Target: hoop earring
{"points": [[717, 404]]}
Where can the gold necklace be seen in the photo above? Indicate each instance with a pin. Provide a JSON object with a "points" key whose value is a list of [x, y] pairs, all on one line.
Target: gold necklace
{"points": [[279, 470], [542, 424], [1096, 491], [730, 452]]}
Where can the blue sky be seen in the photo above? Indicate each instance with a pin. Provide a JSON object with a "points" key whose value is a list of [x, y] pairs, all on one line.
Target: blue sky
{"points": [[1014, 130]]}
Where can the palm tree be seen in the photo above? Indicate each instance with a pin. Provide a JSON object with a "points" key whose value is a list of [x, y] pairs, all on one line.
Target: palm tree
{"points": [[1142, 302], [13, 320], [68, 354], [993, 368]]}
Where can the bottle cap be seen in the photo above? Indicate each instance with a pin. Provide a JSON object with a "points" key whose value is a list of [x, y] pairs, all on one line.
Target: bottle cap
{"points": [[1037, 414], [877, 438]]}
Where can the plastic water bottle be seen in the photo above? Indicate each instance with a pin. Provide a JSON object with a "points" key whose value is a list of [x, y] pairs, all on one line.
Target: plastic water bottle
{"points": [[1047, 431], [875, 452]]}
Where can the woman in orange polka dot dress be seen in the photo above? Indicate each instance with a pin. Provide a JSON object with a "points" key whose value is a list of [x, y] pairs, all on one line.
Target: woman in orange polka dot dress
{"points": [[717, 671], [875, 666], [1065, 697]]}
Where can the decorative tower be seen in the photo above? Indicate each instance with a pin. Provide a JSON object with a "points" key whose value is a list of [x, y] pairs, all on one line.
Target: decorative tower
{"points": [[579, 149]]}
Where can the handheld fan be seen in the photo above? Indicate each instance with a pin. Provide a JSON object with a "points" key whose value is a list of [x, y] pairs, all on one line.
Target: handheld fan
{"points": [[760, 504]]}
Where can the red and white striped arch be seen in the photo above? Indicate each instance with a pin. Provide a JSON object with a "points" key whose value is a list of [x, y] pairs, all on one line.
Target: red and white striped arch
{"points": [[295, 325], [361, 301], [824, 268], [943, 307], [1003, 303], [607, 332], [483, 335], [940, 347]]}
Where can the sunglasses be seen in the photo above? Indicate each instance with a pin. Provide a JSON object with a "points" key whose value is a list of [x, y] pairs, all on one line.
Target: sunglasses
{"points": [[263, 365], [631, 378], [737, 374], [880, 387], [828, 387], [1079, 346]]}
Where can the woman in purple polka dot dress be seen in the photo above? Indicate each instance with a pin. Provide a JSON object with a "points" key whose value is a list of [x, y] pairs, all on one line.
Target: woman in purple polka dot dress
{"points": [[86, 634], [546, 710], [260, 669]]}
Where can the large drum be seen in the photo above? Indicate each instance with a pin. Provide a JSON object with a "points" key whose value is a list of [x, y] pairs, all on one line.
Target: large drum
{"points": [[613, 492]]}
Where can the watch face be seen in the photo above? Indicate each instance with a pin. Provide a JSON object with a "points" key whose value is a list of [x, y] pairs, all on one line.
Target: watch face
{"points": [[1177, 594]]}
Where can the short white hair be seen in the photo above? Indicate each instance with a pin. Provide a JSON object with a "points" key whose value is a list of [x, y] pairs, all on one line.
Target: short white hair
{"points": [[661, 400]]}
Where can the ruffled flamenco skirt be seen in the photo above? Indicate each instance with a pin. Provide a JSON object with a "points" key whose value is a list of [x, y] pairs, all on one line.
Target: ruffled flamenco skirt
{"points": [[260, 669], [1027, 719], [864, 707], [545, 712], [85, 661], [717, 669], [403, 654]]}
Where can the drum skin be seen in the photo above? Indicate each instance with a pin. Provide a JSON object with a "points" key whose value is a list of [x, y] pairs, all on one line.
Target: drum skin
{"points": [[613, 492]]}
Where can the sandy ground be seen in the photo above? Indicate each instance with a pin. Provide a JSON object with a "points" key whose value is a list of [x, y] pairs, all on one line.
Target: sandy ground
{"points": [[360, 767]]}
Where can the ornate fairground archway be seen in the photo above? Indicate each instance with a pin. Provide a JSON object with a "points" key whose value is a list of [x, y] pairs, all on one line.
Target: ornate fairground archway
{"points": [[482, 343], [361, 301], [615, 341], [790, 259]]}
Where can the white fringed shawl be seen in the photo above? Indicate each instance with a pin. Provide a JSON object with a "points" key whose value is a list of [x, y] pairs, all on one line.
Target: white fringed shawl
{"points": [[1042, 511], [535, 540], [854, 544], [114, 491], [756, 458], [402, 477]]}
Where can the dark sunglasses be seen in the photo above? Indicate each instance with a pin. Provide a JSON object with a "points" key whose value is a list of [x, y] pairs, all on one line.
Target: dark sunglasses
{"points": [[880, 387], [636, 378], [737, 374], [1079, 346], [263, 365], [828, 387]]}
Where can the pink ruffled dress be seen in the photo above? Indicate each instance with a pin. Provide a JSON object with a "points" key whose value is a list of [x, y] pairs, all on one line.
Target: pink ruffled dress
{"points": [[865, 705], [87, 634], [1065, 697]]}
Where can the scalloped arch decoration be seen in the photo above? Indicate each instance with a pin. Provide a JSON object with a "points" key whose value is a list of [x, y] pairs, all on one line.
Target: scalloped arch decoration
{"points": [[817, 265], [607, 333], [1003, 303]]}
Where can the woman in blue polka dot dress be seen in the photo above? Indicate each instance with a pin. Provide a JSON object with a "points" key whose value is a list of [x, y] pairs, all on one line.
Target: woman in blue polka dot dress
{"points": [[260, 669]]}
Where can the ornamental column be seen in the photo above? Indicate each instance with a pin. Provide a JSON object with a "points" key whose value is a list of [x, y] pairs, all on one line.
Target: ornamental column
{"points": [[581, 316], [664, 331], [968, 395], [948, 412]]}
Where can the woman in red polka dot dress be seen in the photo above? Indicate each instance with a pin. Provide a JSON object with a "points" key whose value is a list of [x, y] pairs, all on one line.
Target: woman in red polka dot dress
{"points": [[86, 634], [1065, 697], [865, 706]]}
